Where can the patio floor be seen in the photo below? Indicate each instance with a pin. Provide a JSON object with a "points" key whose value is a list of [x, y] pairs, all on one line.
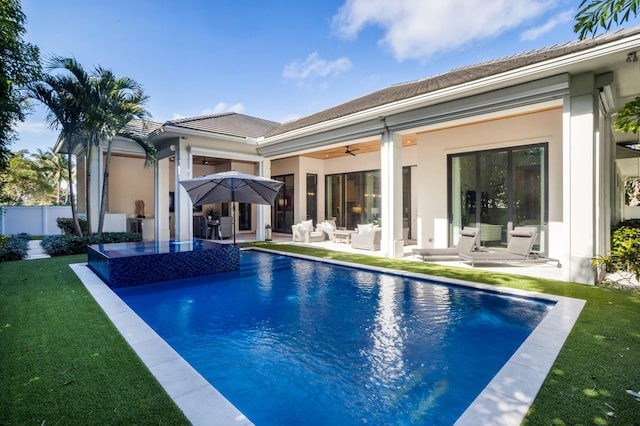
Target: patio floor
{"points": [[538, 270]]}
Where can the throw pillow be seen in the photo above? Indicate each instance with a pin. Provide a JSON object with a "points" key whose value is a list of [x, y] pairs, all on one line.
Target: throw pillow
{"points": [[362, 229]]}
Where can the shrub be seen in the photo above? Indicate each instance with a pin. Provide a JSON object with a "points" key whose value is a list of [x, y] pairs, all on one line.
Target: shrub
{"points": [[625, 250], [63, 245], [67, 227], [14, 247]]}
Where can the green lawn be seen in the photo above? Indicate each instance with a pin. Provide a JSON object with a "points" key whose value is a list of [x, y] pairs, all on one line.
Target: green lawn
{"points": [[62, 361]]}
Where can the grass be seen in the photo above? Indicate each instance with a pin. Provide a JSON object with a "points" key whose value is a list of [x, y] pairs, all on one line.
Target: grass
{"points": [[64, 363]]}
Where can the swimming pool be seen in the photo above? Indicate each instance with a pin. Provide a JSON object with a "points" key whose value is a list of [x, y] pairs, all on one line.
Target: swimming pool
{"points": [[292, 341]]}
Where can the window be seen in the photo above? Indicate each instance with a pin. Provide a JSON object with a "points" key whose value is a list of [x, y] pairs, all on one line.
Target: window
{"points": [[312, 197], [498, 190]]}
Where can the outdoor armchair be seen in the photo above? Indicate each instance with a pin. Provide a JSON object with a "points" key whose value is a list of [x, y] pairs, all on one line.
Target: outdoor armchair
{"points": [[367, 238]]}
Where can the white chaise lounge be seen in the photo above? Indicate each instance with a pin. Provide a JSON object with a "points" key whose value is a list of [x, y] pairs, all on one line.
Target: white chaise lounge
{"points": [[468, 242], [521, 241]]}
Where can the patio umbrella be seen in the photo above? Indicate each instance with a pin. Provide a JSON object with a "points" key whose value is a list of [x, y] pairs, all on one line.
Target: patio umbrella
{"points": [[231, 187]]}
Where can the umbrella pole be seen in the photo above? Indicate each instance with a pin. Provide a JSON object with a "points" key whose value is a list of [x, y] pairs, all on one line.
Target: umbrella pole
{"points": [[233, 221]]}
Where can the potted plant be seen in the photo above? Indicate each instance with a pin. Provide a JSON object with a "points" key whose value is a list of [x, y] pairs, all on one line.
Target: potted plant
{"points": [[212, 214]]}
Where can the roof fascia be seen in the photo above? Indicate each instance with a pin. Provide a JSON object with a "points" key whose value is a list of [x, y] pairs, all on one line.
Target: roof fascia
{"points": [[225, 154], [522, 95], [518, 96]]}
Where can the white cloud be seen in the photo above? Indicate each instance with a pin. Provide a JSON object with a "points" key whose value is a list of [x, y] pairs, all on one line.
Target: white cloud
{"points": [[534, 33], [313, 66], [415, 29], [222, 107], [218, 109], [33, 127]]}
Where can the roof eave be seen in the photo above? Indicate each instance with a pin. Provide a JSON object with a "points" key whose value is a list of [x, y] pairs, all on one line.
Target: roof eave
{"points": [[182, 131], [559, 65]]}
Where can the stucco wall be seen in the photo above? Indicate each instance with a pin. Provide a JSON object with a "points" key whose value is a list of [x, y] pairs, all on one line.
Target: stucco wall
{"points": [[129, 181], [431, 171]]}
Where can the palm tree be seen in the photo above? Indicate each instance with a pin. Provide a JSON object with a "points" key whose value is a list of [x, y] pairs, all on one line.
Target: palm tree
{"points": [[101, 105], [81, 93], [65, 97], [53, 168], [116, 102]]}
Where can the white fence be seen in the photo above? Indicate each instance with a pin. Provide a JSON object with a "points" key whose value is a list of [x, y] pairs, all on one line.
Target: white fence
{"points": [[41, 220], [34, 220]]}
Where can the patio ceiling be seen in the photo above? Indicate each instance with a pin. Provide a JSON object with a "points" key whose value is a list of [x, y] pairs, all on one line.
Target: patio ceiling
{"points": [[356, 148]]}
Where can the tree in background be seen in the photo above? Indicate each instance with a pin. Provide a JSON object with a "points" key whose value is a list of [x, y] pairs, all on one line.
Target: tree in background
{"points": [[55, 169], [25, 184], [19, 65], [602, 14]]}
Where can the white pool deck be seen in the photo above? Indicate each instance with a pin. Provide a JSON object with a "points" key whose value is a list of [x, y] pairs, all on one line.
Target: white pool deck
{"points": [[504, 401]]}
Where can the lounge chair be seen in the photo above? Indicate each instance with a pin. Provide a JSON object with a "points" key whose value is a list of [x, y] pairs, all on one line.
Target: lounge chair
{"points": [[469, 241], [519, 248]]}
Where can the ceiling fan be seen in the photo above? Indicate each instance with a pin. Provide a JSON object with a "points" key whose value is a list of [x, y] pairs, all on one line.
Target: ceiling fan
{"points": [[351, 151]]}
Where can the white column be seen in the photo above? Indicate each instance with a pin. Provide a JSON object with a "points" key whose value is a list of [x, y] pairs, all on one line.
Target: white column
{"points": [[581, 172], [263, 211], [183, 206], [161, 208], [392, 243]]}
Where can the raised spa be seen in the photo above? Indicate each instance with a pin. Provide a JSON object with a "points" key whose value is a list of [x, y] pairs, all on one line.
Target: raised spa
{"points": [[129, 264]]}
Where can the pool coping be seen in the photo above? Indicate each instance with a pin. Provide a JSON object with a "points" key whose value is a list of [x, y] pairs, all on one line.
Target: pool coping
{"points": [[504, 401]]}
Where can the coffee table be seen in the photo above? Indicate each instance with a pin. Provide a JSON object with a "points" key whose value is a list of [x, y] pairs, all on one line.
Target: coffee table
{"points": [[342, 236]]}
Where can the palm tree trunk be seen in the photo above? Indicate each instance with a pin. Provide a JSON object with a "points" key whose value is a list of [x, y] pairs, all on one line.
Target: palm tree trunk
{"points": [[88, 186], [105, 187], [74, 211]]}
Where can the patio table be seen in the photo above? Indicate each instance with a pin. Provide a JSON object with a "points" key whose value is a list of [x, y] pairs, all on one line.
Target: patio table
{"points": [[342, 235]]}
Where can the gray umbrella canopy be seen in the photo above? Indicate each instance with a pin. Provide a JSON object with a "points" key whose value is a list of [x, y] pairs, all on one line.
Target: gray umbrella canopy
{"points": [[231, 187]]}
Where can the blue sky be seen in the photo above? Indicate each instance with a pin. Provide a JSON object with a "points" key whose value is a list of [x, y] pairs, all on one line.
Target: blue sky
{"points": [[280, 60]]}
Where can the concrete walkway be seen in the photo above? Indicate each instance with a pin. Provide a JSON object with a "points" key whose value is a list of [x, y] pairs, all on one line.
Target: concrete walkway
{"points": [[35, 251]]}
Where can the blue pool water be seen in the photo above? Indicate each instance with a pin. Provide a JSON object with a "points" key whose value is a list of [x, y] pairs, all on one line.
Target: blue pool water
{"points": [[292, 341]]}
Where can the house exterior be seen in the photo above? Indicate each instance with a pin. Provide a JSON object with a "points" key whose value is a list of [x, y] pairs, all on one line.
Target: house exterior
{"points": [[523, 140]]}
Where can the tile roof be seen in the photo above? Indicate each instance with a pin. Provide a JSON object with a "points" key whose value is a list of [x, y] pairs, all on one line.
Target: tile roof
{"points": [[452, 78], [231, 123], [141, 128]]}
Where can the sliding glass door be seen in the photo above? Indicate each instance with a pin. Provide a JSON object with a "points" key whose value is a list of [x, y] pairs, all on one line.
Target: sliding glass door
{"points": [[282, 211], [498, 190], [353, 198]]}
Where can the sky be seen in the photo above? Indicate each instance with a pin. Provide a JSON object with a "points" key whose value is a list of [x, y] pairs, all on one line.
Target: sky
{"points": [[275, 59]]}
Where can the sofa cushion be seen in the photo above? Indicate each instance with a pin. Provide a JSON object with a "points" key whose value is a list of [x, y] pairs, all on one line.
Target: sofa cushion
{"points": [[364, 228], [307, 224]]}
